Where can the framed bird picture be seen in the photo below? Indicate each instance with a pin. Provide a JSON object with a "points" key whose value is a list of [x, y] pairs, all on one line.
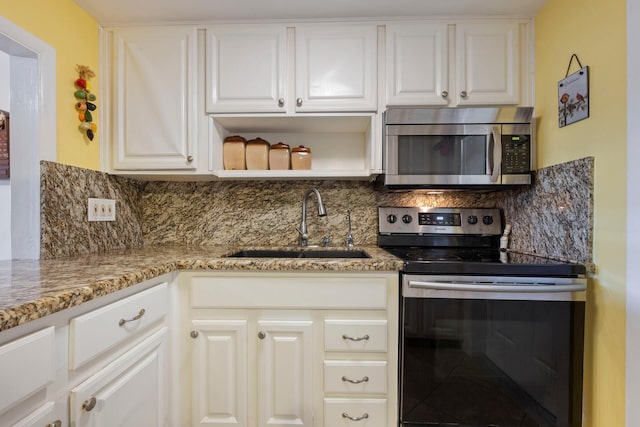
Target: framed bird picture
{"points": [[573, 97]]}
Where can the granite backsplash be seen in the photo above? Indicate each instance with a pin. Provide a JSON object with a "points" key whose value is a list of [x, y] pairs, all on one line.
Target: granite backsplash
{"points": [[554, 217]]}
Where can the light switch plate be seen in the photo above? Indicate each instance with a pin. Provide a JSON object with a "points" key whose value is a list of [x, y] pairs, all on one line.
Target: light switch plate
{"points": [[101, 210]]}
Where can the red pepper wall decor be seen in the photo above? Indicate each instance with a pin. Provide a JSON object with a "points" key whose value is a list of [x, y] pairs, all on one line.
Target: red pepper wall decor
{"points": [[85, 105]]}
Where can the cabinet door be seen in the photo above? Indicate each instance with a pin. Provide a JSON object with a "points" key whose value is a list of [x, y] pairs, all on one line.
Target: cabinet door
{"points": [[487, 63], [285, 373], [131, 391], [336, 68], [417, 64], [246, 69], [155, 98], [220, 373]]}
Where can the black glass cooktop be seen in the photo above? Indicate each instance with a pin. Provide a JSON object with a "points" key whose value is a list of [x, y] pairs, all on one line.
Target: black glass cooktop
{"points": [[484, 261]]}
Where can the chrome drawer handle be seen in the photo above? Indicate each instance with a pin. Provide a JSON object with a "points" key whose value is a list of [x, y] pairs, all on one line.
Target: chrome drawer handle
{"points": [[349, 380], [363, 338], [363, 417], [88, 405], [56, 423], [137, 317]]}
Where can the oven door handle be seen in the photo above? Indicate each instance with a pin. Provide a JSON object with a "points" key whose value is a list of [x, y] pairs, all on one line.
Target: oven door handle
{"points": [[515, 288]]}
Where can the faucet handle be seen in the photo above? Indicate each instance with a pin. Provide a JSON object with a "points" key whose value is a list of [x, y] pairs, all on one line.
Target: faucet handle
{"points": [[304, 237]]}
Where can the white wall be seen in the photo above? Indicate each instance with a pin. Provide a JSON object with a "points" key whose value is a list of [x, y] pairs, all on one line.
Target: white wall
{"points": [[5, 185]]}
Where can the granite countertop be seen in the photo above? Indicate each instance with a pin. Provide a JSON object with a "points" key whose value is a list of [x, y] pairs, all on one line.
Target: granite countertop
{"points": [[32, 289]]}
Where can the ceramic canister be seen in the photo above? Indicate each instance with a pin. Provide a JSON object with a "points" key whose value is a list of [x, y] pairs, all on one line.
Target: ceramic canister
{"points": [[279, 156], [301, 158], [233, 152], [257, 153]]}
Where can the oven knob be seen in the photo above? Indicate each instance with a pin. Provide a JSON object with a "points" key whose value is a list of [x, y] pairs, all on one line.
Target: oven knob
{"points": [[472, 219], [391, 218], [407, 219], [487, 220]]}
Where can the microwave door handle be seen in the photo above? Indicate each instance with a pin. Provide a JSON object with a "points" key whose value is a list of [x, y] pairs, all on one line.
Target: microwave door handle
{"points": [[496, 145]]}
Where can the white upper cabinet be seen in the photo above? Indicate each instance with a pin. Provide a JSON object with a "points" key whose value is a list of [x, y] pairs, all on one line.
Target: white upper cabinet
{"points": [[246, 68], [306, 68], [417, 64], [487, 63], [464, 63], [336, 67], [154, 98]]}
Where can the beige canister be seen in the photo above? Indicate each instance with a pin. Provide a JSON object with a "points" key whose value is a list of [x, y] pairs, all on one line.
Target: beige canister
{"points": [[257, 153], [301, 158], [233, 153], [279, 156]]}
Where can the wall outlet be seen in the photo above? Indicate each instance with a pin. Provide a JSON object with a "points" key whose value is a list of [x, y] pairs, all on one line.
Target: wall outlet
{"points": [[101, 210]]}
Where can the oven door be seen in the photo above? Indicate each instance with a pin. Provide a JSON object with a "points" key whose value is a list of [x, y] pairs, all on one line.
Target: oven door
{"points": [[443, 154], [491, 351]]}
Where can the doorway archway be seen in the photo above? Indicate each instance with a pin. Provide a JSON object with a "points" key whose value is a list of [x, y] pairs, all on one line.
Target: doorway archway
{"points": [[33, 130]]}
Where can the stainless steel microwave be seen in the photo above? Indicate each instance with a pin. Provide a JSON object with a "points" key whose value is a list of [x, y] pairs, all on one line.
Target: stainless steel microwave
{"points": [[458, 147]]}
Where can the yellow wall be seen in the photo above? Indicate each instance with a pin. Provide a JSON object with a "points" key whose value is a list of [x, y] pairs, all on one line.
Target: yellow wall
{"points": [[595, 31], [75, 36]]}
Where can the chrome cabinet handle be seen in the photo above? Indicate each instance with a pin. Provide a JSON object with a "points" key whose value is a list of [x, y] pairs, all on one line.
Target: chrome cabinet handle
{"points": [[444, 94], [137, 317], [349, 380], [194, 334], [88, 405], [56, 423], [363, 417], [261, 335], [463, 94], [189, 159], [281, 102], [299, 102], [363, 338]]}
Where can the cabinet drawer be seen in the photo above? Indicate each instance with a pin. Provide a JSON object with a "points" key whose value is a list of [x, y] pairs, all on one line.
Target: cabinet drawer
{"points": [[101, 329], [355, 335], [363, 412], [43, 416], [26, 366], [358, 377]]}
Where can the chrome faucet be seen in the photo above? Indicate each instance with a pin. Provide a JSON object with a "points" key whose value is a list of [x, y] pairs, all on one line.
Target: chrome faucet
{"points": [[304, 237]]}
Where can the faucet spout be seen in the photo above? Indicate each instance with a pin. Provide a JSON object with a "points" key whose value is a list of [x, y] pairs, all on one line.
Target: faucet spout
{"points": [[322, 211]]}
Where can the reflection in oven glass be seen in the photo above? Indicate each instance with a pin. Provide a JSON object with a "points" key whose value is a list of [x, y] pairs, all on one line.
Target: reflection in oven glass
{"points": [[490, 362]]}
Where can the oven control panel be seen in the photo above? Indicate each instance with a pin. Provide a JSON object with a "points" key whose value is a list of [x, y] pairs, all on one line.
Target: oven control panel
{"points": [[425, 220]]}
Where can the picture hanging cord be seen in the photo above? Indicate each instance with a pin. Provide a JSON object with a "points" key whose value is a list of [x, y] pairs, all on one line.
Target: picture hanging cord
{"points": [[570, 61]]}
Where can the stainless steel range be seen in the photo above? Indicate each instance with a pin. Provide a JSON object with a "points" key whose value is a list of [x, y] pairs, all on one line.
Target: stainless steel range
{"points": [[488, 337]]}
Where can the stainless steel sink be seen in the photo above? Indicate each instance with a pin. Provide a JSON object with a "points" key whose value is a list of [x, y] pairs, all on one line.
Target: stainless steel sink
{"points": [[299, 253]]}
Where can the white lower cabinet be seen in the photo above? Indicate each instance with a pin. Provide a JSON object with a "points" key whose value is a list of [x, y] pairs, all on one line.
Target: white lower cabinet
{"points": [[104, 363], [34, 354], [280, 361], [285, 363], [130, 391], [271, 349]]}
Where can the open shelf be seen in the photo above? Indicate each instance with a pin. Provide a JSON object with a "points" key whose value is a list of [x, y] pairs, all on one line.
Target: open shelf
{"points": [[341, 145]]}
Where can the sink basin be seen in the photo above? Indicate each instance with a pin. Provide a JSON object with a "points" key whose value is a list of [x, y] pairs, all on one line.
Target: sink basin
{"points": [[299, 253]]}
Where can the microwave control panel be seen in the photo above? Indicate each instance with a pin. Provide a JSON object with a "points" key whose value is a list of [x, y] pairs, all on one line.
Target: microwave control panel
{"points": [[516, 154]]}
